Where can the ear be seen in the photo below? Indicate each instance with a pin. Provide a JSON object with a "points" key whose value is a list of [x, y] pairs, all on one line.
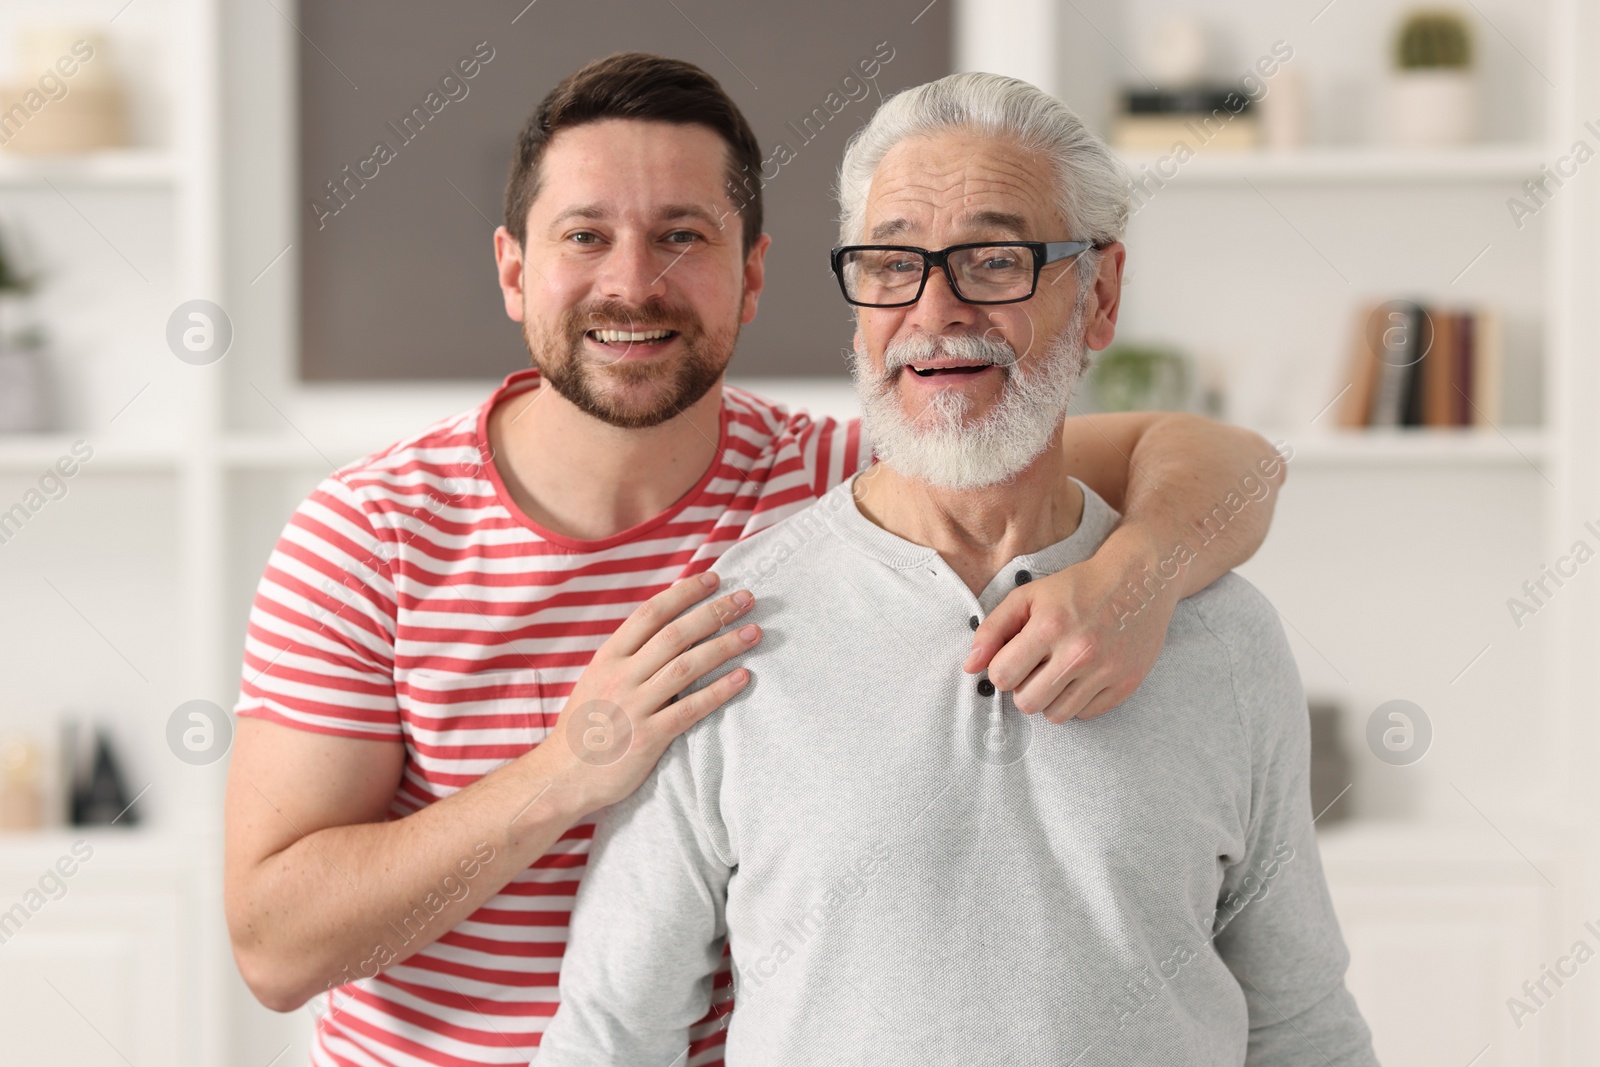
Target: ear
{"points": [[508, 265], [755, 277], [1107, 299]]}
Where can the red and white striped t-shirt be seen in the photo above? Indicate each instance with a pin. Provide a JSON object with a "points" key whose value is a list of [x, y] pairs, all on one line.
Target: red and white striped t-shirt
{"points": [[410, 599]]}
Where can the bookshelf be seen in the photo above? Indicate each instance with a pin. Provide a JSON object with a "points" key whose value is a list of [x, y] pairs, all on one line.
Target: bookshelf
{"points": [[109, 169], [32, 453], [1361, 165], [1425, 447]]}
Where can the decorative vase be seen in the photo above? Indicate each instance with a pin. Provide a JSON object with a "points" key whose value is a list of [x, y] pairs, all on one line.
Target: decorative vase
{"points": [[70, 100], [1331, 769], [1432, 108], [1283, 111]]}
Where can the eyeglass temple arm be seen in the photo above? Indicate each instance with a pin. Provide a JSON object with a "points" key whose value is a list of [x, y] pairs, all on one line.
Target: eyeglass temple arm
{"points": [[1059, 250]]}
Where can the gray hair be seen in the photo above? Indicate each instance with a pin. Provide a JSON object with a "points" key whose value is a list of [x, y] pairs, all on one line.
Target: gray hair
{"points": [[1092, 183]]}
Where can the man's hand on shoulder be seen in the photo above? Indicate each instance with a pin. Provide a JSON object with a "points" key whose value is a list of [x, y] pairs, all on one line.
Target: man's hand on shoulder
{"points": [[625, 708], [1077, 643]]}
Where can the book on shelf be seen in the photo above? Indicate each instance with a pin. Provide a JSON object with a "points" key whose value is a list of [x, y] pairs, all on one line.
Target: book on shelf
{"points": [[1159, 120], [1415, 365]]}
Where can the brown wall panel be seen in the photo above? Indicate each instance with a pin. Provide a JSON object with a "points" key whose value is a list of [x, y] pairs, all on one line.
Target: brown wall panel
{"points": [[399, 283]]}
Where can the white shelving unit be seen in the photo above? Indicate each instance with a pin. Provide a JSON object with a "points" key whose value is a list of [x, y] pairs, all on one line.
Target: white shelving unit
{"points": [[1355, 166], [32, 453], [110, 169], [1528, 449], [112, 591]]}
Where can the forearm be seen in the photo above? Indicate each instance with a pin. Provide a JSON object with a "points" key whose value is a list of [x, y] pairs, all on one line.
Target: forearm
{"points": [[1196, 499], [1199, 501], [345, 902]]}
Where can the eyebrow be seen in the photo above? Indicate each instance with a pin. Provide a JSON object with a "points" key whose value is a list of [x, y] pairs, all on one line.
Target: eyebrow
{"points": [[891, 228], [669, 213], [1011, 225]]}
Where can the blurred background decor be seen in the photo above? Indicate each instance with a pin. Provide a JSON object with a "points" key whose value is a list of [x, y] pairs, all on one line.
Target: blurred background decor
{"points": [[97, 790], [1180, 98], [1332, 769], [22, 801], [1435, 366], [1432, 95], [1129, 377], [25, 387], [71, 102]]}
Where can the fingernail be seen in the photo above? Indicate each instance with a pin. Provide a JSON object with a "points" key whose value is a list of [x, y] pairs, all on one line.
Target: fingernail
{"points": [[743, 599], [749, 633], [708, 579]]}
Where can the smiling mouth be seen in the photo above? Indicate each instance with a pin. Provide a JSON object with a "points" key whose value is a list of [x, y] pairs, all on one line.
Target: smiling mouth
{"points": [[961, 368], [630, 337]]}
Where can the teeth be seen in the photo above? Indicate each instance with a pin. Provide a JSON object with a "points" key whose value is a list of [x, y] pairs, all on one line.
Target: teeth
{"points": [[959, 367], [629, 335]]}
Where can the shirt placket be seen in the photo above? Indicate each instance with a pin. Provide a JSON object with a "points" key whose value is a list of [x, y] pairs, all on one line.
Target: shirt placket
{"points": [[996, 731]]}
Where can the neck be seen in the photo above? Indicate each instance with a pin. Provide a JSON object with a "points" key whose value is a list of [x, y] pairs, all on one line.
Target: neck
{"points": [[977, 531], [580, 477]]}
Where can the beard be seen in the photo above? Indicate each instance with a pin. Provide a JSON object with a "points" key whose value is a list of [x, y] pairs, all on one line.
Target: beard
{"points": [[612, 392], [937, 445]]}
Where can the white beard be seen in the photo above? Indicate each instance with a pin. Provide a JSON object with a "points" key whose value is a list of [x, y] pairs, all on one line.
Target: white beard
{"points": [[937, 446]]}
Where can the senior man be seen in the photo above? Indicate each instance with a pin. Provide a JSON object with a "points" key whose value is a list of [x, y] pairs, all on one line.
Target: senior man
{"points": [[905, 869]]}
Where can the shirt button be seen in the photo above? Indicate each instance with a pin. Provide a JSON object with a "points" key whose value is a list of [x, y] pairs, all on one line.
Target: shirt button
{"points": [[985, 687], [1023, 577], [973, 622]]}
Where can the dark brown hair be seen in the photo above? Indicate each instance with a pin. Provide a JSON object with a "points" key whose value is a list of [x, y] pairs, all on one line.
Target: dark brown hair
{"points": [[637, 85]]}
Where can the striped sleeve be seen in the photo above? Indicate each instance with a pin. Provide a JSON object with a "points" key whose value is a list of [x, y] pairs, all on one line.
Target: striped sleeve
{"points": [[319, 647], [833, 451]]}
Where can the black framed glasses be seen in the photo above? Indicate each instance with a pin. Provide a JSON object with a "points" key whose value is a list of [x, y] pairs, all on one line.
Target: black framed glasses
{"points": [[982, 272]]}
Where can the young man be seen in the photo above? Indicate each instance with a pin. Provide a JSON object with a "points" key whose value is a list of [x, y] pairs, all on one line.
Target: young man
{"points": [[908, 871], [399, 835]]}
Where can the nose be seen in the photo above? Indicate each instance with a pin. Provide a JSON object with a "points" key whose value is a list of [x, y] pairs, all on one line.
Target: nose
{"points": [[939, 310], [632, 272]]}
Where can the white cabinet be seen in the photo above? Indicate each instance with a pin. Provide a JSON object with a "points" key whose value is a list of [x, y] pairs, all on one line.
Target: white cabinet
{"points": [[1444, 924], [99, 967]]}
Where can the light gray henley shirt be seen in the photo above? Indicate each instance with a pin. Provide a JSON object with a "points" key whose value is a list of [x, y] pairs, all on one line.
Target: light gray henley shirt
{"points": [[911, 872]]}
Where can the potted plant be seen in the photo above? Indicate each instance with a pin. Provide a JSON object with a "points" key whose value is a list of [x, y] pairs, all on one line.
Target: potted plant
{"points": [[24, 394], [1140, 378], [1432, 98]]}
